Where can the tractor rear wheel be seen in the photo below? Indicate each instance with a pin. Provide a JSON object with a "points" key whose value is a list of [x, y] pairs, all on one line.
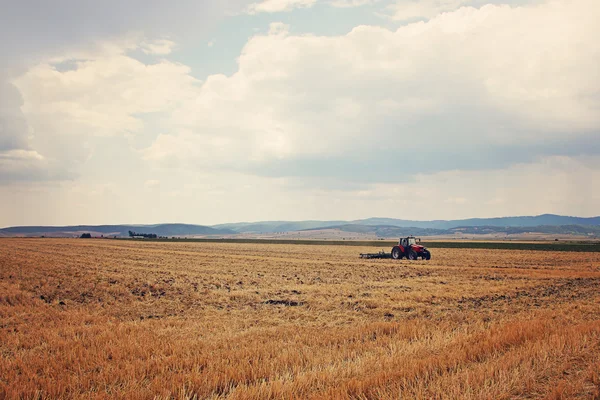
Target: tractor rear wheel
{"points": [[412, 255], [396, 253]]}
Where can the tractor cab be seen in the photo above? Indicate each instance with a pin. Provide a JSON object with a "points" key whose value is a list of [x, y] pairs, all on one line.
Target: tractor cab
{"points": [[407, 241]]}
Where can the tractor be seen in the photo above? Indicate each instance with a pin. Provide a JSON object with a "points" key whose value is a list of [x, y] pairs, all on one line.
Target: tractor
{"points": [[410, 248]]}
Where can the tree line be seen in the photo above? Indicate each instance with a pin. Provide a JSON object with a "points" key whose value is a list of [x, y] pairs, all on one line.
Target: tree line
{"points": [[144, 235]]}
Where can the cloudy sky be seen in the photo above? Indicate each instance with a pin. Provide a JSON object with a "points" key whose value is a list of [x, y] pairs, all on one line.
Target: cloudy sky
{"points": [[149, 111]]}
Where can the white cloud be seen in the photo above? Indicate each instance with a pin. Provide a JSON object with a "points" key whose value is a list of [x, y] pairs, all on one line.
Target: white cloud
{"points": [[13, 125], [478, 100], [97, 92], [274, 6], [423, 90], [18, 160], [28, 165], [372, 89], [19, 155], [102, 94]]}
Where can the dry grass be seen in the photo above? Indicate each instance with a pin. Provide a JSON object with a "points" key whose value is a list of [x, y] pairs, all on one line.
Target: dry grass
{"points": [[117, 319]]}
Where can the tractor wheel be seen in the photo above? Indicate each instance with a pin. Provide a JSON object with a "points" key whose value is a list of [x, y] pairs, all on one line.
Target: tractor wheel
{"points": [[412, 255], [396, 253], [426, 255]]}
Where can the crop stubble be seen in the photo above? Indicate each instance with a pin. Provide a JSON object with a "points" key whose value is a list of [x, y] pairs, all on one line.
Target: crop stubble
{"points": [[105, 319]]}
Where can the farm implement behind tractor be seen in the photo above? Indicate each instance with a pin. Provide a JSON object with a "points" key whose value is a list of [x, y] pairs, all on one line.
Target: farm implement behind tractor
{"points": [[407, 247]]}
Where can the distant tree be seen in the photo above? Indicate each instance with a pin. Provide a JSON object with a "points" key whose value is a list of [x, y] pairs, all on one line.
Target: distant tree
{"points": [[86, 236], [144, 235]]}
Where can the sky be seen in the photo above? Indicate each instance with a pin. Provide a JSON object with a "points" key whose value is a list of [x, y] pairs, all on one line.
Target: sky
{"points": [[148, 111]]}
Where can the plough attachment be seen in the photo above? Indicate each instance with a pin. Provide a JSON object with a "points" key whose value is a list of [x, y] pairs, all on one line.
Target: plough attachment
{"points": [[381, 254]]}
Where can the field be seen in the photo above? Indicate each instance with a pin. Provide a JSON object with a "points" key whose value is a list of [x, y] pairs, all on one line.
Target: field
{"points": [[133, 319]]}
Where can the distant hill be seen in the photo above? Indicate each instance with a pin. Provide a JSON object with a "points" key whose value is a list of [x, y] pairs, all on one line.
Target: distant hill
{"points": [[380, 227], [114, 230], [387, 231], [588, 230], [527, 221], [277, 226], [539, 220]]}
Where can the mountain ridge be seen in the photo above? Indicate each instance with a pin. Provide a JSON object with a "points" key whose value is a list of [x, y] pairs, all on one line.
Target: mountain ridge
{"points": [[512, 221], [115, 230], [376, 224], [387, 231]]}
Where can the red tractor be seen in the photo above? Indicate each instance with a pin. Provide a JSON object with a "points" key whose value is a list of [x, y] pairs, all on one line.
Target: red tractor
{"points": [[409, 248]]}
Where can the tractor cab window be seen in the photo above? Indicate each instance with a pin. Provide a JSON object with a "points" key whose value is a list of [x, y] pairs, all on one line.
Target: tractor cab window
{"points": [[412, 241]]}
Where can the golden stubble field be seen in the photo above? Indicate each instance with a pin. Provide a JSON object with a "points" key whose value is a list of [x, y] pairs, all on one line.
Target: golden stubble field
{"points": [[121, 319]]}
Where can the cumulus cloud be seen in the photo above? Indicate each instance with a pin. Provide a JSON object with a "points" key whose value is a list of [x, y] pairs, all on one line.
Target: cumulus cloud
{"points": [[28, 165], [471, 108], [429, 96], [13, 126], [100, 92], [32, 31], [18, 160]]}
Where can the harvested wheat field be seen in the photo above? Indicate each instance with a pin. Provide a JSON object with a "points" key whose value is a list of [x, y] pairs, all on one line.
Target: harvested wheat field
{"points": [[124, 319]]}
